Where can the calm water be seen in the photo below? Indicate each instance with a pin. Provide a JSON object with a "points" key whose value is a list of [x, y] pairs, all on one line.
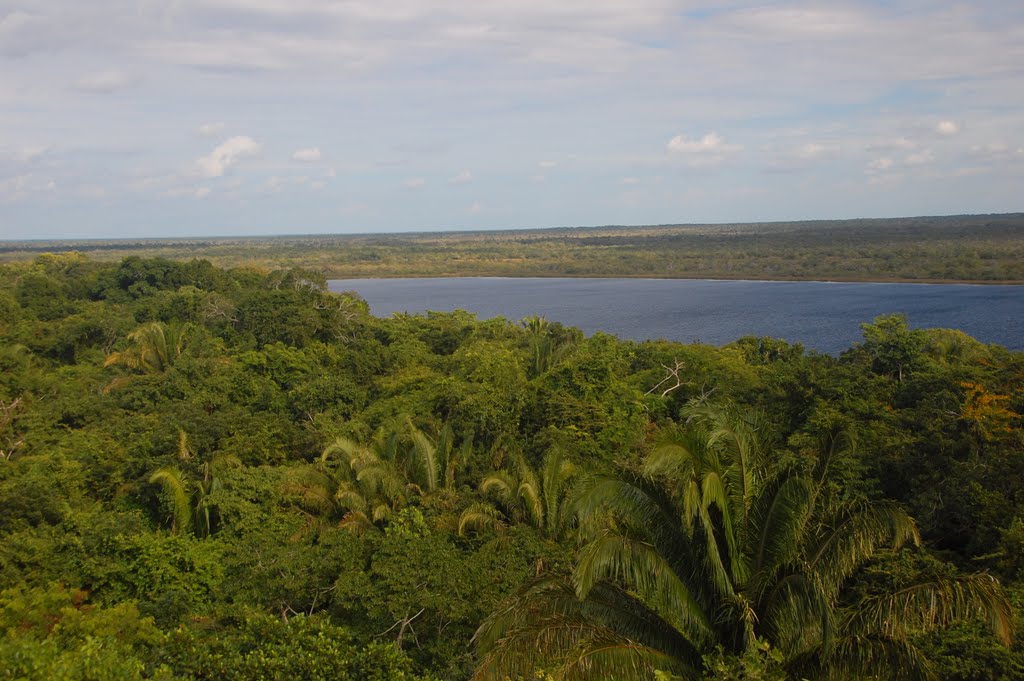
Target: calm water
{"points": [[823, 316]]}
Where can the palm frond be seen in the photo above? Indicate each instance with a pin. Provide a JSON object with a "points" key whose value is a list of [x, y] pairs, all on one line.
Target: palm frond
{"points": [[933, 604], [640, 567], [356, 522], [175, 486], [853, 535], [501, 485], [779, 520], [426, 456], [345, 449], [863, 657], [314, 489], [545, 626], [481, 517]]}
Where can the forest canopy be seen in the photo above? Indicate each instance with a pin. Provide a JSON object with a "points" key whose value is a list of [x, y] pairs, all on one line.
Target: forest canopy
{"points": [[234, 473]]}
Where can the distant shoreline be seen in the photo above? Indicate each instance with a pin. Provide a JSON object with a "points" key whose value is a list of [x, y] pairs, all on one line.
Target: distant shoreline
{"points": [[959, 249], [928, 282]]}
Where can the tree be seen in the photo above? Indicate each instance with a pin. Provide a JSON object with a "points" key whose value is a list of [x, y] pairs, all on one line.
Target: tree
{"points": [[190, 500], [374, 480], [548, 343], [892, 345], [538, 497], [154, 347], [710, 547]]}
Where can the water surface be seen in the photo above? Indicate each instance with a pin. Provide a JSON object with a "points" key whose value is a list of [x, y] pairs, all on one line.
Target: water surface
{"points": [[823, 316]]}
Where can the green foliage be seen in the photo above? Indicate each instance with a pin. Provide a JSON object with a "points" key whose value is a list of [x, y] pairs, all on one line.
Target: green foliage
{"points": [[759, 663], [713, 546], [354, 495], [54, 633]]}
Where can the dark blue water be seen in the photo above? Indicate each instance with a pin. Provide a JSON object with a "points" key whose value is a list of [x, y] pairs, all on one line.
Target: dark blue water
{"points": [[822, 316]]}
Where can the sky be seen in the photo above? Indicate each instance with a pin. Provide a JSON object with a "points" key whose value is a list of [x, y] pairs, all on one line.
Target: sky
{"points": [[156, 118]]}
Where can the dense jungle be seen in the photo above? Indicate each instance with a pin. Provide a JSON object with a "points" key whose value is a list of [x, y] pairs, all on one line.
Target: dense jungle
{"points": [[212, 473]]}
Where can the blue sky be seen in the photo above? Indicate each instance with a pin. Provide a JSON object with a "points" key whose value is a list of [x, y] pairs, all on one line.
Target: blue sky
{"points": [[149, 118]]}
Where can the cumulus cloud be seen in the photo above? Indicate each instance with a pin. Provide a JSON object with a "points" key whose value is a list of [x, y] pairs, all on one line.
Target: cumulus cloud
{"points": [[414, 183], [631, 180], [464, 177], [947, 128], [476, 207], [307, 155], [101, 82], [210, 129], [548, 164], [227, 154], [202, 192]]}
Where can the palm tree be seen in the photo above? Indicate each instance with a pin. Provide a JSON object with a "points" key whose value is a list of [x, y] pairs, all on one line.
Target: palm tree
{"points": [[548, 344], [709, 547], [372, 481], [536, 497], [191, 501], [154, 347]]}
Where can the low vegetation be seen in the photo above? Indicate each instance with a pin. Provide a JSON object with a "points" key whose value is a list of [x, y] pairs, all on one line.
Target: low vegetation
{"points": [[968, 248]]}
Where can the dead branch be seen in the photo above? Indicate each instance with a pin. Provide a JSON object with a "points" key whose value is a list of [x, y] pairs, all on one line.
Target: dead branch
{"points": [[673, 374]]}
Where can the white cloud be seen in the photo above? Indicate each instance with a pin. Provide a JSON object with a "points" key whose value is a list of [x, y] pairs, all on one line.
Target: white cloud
{"points": [[548, 164], [307, 155], [27, 154], [631, 180], [889, 145], [994, 152], [92, 191], [414, 183], [815, 151], [947, 128], [202, 192], [110, 80], [22, 186], [709, 150], [537, 178], [709, 143], [879, 164], [210, 129], [274, 183], [920, 158], [462, 178], [227, 154], [476, 208]]}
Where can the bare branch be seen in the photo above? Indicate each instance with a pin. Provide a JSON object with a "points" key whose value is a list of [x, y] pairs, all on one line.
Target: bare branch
{"points": [[673, 375]]}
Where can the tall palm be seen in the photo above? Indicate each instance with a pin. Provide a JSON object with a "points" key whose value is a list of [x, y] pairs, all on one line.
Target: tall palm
{"points": [[538, 497], [154, 347], [708, 546]]}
